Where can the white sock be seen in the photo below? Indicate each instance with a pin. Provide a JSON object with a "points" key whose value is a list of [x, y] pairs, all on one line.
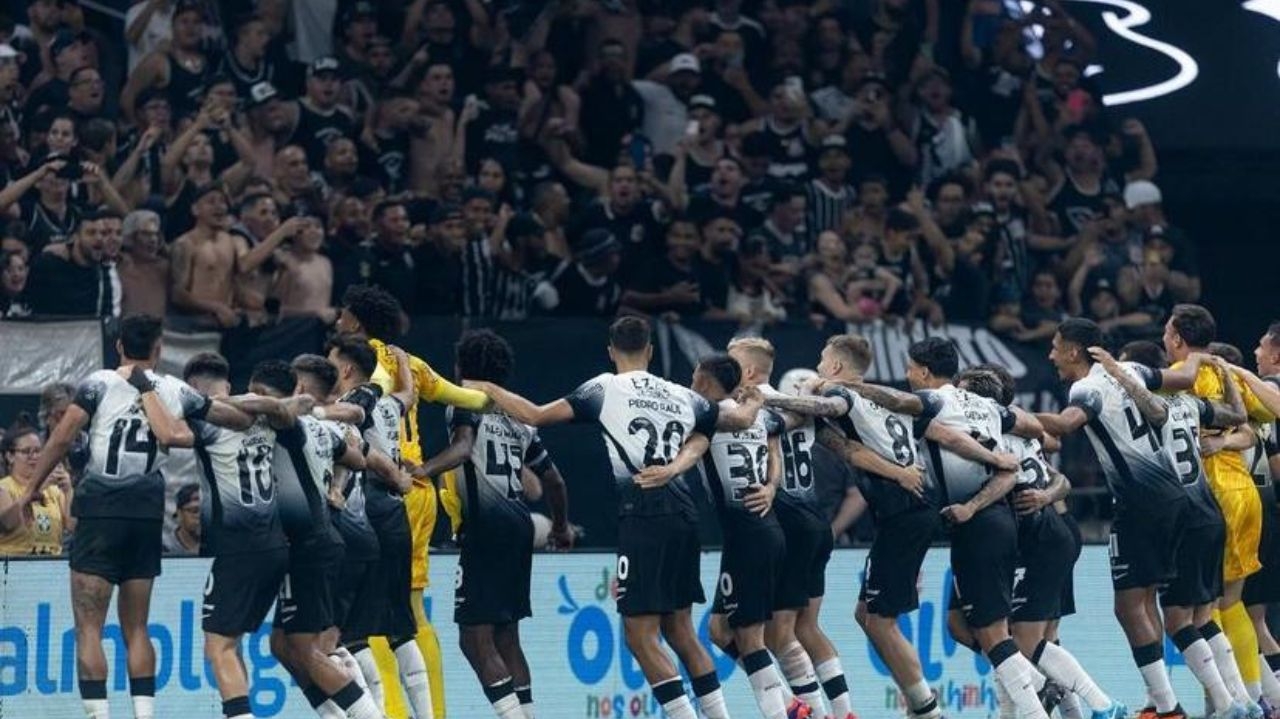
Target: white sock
{"points": [[413, 677], [525, 695], [1254, 689], [1270, 684], [96, 708], [678, 708], [919, 698], [765, 684], [800, 674], [1200, 661], [508, 707], [1070, 707], [1015, 672], [1225, 658], [670, 693], [831, 673], [1156, 678], [144, 706], [329, 710], [713, 706], [364, 708], [373, 680], [1059, 665], [349, 667], [1004, 702]]}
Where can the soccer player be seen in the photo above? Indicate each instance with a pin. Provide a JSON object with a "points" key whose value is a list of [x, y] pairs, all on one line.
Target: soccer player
{"points": [[496, 534], [372, 312], [654, 431], [133, 415], [904, 507], [793, 634], [389, 594], [1187, 601], [242, 532], [302, 463], [740, 472], [1187, 335], [1047, 551], [1150, 501]]}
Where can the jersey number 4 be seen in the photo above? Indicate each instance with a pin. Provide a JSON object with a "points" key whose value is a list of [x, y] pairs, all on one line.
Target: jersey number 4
{"points": [[503, 460], [131, 436]]}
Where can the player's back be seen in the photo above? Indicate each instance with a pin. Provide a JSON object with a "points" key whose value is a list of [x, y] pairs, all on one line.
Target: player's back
{"points": [[735, 463], [1130, 451], [240, 488], [303, 466], [492, 491], [1181, 436], [798, 489], [122, 477], [381, 429], [645, 420], [352, 520], [1033, 473], [958, 478]]}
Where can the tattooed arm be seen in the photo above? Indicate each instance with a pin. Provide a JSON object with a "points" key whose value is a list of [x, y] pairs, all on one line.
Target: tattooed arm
{"points": [[1153, 408], [810, 405], [891, 399]]}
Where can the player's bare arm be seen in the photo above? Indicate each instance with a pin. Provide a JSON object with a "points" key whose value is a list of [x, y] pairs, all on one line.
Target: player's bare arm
{"points": [[278, 414], [461, 440], [557, 496], [1152, 407], [169, 431], [964, 445], [857, 454], [56, 449], [1236, 440], [743, 414], [1184, 376], [1025, 424], [993, 491], [521, 409], [1030, 501], [809, 405], [385, 471], [759, 498], [405, 389], [1061, 424], [1268, 394], [891, 399], [659, 474]]}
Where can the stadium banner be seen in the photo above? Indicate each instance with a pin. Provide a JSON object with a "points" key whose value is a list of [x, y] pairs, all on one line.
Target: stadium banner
{"points": [[574, 642], [40, 353]]}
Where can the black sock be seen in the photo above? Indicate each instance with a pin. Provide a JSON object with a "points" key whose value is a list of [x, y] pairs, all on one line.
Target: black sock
{"points": [[93, 688], [1001, 652], [668, 691], [497, 691], [348, 695], [525, 695], [705, 684], [835, 686], [236, 706], [142, 686], [1273, 662], [315, 696]]}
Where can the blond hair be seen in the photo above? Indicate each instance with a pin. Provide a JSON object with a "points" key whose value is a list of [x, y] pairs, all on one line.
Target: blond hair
{"points": [[856, 348], [759, 349]]}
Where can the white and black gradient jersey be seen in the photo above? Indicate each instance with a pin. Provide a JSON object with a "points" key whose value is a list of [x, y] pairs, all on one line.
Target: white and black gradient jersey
{"points": [[303, 462], [239, 488], [1033, 473], [798, 488], [1137, 468], [122, 478], [888, 434], [1181, 436], [352, 521], [381, 431], [491, 490], [645, 420], [959, 479], [734, 464]]}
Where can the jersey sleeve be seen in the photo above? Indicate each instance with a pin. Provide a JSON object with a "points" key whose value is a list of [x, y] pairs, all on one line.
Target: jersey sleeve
{"points": [[773, 423], [366, 399], [536, 456], [587, 400], [932, 405], [457, 418], [89, 394], [1007, 419], [705, 415], [434, 388], [1152, 379], [1088, 399], [182, 399]]}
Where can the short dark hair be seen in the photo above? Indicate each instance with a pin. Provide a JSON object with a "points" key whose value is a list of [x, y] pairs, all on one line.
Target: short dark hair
{"points": [[275, 375], [210, 365], [138, 335], [354, 349], [484, 355], [1002, 166], [377, 311], [1228, 352], [1082, 332], [320, 368], [384, 207], [856, 347], [1144, 352], [983, 384], [936, 354], [1008, 385], [1273, 332], [630, 334], [1195, 324], [723, 369], [185, 493]]}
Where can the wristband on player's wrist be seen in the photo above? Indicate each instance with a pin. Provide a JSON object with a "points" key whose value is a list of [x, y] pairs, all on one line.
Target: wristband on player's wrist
{"points": [[139, 380]]}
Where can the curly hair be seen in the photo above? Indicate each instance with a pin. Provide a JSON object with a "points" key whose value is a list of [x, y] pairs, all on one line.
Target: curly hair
{"points": [[484, 355], [377, 311]]}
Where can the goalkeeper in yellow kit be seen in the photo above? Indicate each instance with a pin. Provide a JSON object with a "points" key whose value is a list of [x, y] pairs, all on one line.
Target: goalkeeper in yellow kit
{"points": [[1187, 335], [374, 313]]}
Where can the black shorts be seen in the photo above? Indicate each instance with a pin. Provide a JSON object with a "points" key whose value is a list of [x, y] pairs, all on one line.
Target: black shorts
{"points": [[1046, 557], [117, 549], [984, 553], [494, 571], [1067, 604], [240, 590], [750, 565], [804, 569], [890, 579], [658, 565], [305, 603], [1144, 544], [354, 596], [1200, 558], [392, 576], [1263, 587]]}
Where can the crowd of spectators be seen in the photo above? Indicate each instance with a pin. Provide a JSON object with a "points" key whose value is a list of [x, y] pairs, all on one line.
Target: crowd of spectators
{"points": [[755, 161]]}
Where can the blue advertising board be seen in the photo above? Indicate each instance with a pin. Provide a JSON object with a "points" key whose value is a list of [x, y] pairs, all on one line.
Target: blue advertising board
{"points": [[581, 666]]}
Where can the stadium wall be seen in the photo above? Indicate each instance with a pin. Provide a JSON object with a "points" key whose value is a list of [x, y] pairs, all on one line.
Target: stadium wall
{"points": [[582, 669]]}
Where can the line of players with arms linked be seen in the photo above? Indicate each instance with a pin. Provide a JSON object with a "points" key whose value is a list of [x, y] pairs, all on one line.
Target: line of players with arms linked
{"points": [[305, 515]]}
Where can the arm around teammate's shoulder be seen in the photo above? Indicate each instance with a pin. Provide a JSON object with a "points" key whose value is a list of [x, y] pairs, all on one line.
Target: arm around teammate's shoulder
{"points": [[521, 409]]}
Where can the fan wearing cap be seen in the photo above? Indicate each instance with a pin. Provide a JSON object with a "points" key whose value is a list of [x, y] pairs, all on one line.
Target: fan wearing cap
{"points": [[180, 71], [269, 120], [1095, 297], [586, 285], [440, 261], [666, 115], [703, 144], [356, 28], [789, 130], [246, 61], [1147, 218], [317, 117]]}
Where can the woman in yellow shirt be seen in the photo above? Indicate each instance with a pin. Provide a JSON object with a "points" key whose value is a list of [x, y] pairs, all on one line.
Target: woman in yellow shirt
{"points": [[31, 524]]}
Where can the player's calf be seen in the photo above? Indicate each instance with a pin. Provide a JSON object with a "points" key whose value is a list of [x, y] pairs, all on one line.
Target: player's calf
{"points": [[677, 629]]}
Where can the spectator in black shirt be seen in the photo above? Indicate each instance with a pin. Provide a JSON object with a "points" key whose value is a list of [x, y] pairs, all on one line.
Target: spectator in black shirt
{"points": [[74, 282], [439, 272], [68, 54], [13, 284], [587, 285], [350, 245], [725, 195], [495, 130], [717, 261], [631, 218], [876, 143], [670, 285], [85, 93], [610, 105], [393, 268], [48, 214], [317, 116]]}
